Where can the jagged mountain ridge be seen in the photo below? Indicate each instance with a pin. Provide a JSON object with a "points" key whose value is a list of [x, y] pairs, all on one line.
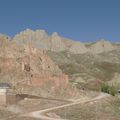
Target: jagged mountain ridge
{"points": [[56, 43]]}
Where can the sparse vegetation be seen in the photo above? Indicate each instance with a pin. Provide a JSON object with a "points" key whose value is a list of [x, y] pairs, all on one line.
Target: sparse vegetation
{"points": [[90, 67], [110, 89]]}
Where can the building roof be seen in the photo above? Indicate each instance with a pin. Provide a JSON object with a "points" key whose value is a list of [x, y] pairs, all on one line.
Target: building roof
{"points": [[5, 86]]}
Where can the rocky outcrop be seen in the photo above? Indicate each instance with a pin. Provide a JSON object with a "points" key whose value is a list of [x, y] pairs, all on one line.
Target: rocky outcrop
{"points": [[38, 39], [57, 44], [42, 69], [28, 65]]}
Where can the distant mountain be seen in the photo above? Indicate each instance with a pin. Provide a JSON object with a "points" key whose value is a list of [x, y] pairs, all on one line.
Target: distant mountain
{"points": [[56, 43]]}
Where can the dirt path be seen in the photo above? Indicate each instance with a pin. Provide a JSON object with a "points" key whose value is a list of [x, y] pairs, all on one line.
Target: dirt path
{"points": [[42, 113]]}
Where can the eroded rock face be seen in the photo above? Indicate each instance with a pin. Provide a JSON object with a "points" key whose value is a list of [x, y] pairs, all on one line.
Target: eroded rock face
{"points": [[43, 69], [28, 65], [38, 39]]}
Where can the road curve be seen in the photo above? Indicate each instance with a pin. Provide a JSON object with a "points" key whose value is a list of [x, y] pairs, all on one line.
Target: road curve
{"points": [[42, 113]]}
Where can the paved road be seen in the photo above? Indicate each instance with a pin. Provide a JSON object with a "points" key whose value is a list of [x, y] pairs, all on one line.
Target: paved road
{"points": [[42, 113]]}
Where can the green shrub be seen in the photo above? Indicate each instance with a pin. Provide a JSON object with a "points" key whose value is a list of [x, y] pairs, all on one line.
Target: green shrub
{"points": [[110, 89]]}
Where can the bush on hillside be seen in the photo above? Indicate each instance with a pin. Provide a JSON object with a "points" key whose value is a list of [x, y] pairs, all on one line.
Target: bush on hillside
{"points": [[110, 89]]}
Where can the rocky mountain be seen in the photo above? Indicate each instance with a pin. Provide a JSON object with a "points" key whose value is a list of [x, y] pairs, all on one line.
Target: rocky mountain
{"points": [[40, 39], [56, 43], [40, 59]]}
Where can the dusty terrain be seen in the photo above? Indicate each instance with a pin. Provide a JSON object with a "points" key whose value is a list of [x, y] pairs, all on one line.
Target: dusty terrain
{"points": [[15, 112], [31, 107], [104, 109], [44, 114]]}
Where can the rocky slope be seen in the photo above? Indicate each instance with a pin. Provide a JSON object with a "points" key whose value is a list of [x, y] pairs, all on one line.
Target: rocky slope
{"points": [[26, 65], [88, 70]]}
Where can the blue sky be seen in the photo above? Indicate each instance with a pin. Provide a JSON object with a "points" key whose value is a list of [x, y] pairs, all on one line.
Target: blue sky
{"points": [[84, 20]]}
